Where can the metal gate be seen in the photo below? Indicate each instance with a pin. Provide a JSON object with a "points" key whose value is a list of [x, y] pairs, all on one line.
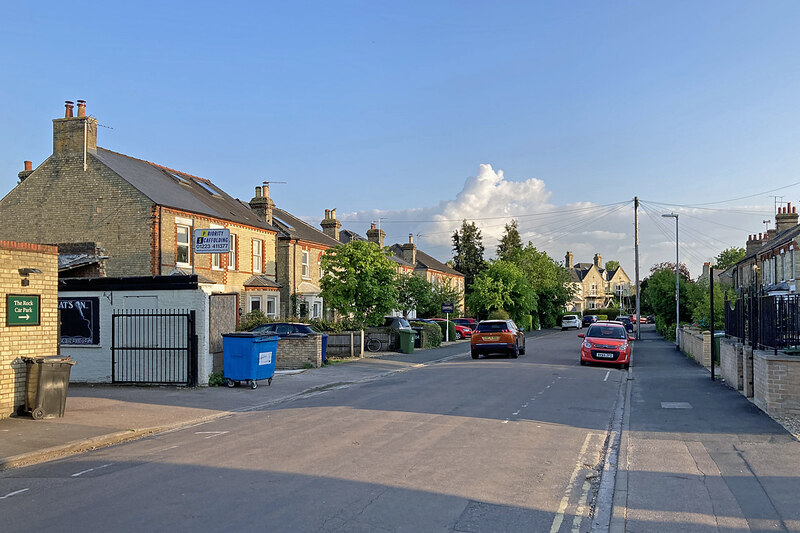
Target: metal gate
{"points": [[155, 346]]}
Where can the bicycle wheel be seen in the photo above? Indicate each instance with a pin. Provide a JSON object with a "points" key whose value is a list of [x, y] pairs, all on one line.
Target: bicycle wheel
{"points": [[374, 345]]}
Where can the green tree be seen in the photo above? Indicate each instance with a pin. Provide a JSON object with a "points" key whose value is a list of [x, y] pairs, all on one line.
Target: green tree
{"points": [[468, 252], [503, 286], [659, 292], [701, 312], [414, 294], [612, 265], [510, 243], [550, 281], [729, 257], [445, 292], [359, 281]]}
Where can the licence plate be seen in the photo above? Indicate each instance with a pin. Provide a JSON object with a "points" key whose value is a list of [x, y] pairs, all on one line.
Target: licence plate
{"points": [[491, 338], [605, 355]]}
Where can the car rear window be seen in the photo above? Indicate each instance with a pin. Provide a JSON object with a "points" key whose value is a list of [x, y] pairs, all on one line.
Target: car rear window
{"points": [[570, 317], [492, 326], [606, 332]]}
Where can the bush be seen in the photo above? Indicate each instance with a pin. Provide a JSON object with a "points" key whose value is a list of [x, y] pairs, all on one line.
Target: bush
{"points": [[499, 314], [443, 325], [526, 323], [335, 326], [253, 319], [216, 379], [433, 333], [604, 313]]}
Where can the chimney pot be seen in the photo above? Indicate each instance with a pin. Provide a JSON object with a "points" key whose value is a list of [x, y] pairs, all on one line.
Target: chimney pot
{"points": [[258, 192], [68, 109], [327, 213], [81, 108], [410, 238], [372, 225], [333, 213], [28, 165]]}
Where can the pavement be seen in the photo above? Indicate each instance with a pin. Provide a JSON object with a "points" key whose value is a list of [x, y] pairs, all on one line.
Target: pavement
{"points": [[695, 455]]}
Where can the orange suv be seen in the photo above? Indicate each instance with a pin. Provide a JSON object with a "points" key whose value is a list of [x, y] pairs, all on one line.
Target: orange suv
{"points": [[497, 336]]}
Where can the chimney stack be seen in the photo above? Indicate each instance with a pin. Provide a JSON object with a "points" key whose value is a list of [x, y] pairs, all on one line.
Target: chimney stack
{"points": [[73, 135], [568, 260], [262, 205], [376, 235], [786, 218], [598, 261], [410, 251], [331, 226], [27, 172]]}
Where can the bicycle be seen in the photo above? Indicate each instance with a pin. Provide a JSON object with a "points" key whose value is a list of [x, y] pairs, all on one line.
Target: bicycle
{"points": [[372, 344]]}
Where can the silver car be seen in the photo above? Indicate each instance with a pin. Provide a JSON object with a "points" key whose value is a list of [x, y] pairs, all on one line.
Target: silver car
{"points": [[570, 321]]}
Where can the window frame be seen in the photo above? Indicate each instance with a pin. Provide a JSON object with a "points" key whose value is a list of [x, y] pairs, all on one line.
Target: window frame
{"points": [[232, 256], [305, 268], [179, 245], [259, 255]]}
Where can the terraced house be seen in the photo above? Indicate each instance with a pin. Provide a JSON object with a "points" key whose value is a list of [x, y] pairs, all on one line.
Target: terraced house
{"points": [[140, 214]]}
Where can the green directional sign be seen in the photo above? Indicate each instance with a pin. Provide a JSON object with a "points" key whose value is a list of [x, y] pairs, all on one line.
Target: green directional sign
{"points": [[22, 309]]}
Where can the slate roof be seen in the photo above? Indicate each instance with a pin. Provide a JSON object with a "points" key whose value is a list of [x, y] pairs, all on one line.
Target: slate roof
{"points": [[71, 261], [260, 280], [424, 261], [289, 226], [347, 235], [179, 190]]}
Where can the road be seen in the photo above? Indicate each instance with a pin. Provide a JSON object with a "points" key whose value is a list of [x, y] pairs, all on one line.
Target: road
{"points": [[462, 445]]}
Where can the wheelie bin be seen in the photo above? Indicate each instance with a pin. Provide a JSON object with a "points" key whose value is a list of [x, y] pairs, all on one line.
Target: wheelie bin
{"points": [[46, 384], [248, 357], [406, 340]]}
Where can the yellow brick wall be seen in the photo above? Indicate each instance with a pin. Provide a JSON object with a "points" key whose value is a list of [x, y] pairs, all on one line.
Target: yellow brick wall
{"points": [[20, 341]]}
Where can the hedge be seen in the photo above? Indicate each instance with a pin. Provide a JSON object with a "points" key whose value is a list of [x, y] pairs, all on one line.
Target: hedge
{"points": [[605, 314]]}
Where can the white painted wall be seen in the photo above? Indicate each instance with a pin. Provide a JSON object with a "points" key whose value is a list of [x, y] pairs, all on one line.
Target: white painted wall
{"points": [[94, 362]]}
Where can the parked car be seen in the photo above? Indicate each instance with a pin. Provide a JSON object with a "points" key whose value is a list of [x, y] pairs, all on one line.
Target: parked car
{"points": [[588, 320], [570, 321], [606, 342], [627, 322], [290, 329], [395, 322], [642, 320], [497, 336], [471, 323], [462, 332], [651, 319]]}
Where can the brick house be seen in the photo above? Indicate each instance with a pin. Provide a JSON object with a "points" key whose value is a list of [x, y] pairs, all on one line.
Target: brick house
{"points": [[595, 287], [140, 214], [772, 259]]}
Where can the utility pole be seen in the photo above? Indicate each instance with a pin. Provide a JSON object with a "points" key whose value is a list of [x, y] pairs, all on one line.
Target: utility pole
{"points": [[713, 333], [636, 263]]}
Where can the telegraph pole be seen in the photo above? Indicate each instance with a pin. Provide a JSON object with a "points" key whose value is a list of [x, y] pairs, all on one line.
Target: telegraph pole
{"points": [[636, 263]]}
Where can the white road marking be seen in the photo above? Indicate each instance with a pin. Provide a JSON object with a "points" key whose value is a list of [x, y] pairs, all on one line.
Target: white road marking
{"points": [[515, 413], [504, 421], [10, 494], [211, 434], [89, 470], [170, 448], [559, 518], [606, 378]]}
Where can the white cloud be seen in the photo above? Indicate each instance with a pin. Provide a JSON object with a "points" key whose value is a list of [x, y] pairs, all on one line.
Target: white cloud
{"points": [[584, 228]]}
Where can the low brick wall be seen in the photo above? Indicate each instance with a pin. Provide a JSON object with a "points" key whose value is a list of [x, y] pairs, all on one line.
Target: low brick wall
{"points": [[696, 343], [730, 363], [777, 383], [297, 352]]}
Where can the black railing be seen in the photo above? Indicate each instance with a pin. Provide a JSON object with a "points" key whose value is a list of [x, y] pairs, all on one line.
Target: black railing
{"points": [[764, 322]]}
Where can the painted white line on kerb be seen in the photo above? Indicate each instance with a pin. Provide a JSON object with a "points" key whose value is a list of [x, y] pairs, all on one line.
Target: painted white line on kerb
{"points": [[606, 378], [10, 494], [570, 486], [89, 470]]}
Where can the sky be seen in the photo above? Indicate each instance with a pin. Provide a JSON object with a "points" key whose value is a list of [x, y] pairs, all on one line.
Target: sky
{"points": [[418, 115]]}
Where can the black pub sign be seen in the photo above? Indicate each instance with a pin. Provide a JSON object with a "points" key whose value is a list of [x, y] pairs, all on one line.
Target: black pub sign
{"points": [[80, 320]]}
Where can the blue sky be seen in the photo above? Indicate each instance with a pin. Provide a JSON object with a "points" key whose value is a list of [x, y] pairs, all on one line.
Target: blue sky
{"points": [[388, 110]]}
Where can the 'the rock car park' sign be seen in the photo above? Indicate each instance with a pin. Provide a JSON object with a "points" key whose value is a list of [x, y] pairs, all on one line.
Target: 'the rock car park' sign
{"points": [[22, 310], [212, 241]]}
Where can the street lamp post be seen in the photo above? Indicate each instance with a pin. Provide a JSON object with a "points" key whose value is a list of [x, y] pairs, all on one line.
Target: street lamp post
{"points": [[677, 282]]}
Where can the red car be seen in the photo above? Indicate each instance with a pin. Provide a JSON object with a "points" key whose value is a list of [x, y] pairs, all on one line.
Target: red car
{"points": [[471, 323], [462, 332], [606, 342]]}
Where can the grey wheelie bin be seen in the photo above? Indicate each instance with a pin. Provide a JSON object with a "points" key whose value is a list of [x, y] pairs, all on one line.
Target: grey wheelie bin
{"points": [[46, 386]]}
